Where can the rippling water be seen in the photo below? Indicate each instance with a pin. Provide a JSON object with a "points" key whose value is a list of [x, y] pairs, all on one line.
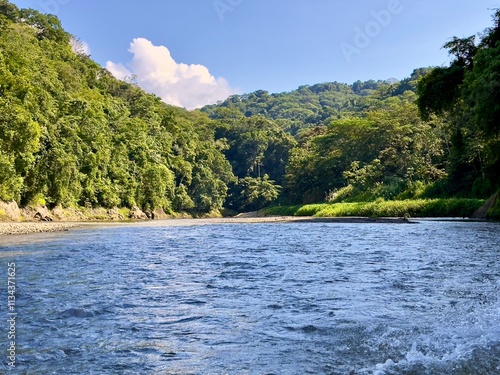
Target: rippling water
{"points": [[301, 298]]}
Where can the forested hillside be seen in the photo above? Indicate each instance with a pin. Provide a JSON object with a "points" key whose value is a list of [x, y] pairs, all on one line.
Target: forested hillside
{"points": [[315, 105], [71, 135], [434, 134]]}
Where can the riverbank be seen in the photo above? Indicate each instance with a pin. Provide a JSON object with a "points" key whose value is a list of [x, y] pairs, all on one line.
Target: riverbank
{"points": [[453, 207], [371, 212], [40, 227], [34, 227], [11, 212]]}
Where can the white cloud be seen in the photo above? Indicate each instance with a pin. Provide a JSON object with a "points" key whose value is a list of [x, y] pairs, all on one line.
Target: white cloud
{"points": [[118, 70], [154, 70]]}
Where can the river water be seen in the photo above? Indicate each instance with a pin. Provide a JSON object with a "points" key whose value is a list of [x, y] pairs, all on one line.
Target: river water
{"points": [[282, 298]]}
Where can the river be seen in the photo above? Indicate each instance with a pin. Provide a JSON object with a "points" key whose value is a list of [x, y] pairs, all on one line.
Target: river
{"points": [[279, 298]]}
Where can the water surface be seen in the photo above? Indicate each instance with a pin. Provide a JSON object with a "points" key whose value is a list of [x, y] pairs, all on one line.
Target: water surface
{"points": [[297, 298]]}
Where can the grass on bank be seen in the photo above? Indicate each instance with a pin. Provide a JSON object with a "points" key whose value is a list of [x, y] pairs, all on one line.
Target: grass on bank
{"points": [[452, 207]]}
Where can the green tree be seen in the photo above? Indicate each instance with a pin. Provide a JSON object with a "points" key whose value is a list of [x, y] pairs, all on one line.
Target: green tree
{"points": [[73, 134], [466, 95], [251, 194]]}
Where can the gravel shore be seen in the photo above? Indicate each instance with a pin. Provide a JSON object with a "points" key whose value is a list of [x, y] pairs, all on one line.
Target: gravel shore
{"points": [[36, 227], [42, 227]]}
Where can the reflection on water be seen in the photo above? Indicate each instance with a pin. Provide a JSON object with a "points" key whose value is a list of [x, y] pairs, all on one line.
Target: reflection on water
{"points": [[302, 298]]}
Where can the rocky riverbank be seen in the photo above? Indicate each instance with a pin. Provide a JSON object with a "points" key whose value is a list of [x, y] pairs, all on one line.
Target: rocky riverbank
{"points": [[15, 220], [28, 228], [11, 212]]}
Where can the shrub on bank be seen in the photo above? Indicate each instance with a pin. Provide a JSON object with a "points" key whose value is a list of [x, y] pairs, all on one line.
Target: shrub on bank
{"points": [[454, 207]]}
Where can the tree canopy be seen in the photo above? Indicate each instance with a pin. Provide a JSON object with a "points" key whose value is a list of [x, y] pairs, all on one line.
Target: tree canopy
{"points": [[467, 95], [73, 135]]}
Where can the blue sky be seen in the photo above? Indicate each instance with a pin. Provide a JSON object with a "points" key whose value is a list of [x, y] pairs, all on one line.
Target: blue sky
{"points": [[246, 45]]}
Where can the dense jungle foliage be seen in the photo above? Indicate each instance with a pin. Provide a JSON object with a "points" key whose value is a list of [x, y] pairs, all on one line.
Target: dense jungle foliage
{"points": [[73, 135], [434, 134]]}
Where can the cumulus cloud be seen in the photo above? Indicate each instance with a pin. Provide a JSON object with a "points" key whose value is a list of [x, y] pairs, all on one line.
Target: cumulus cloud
{"points": [[155, 70], [118, 70]]}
